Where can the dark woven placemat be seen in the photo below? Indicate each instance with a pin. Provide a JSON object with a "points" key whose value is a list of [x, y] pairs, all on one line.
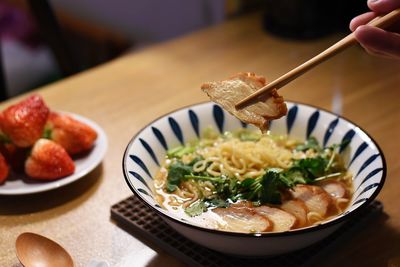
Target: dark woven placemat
{"points": [[135, 217]]}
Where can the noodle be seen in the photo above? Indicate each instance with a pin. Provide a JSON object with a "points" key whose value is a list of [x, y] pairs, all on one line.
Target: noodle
{"points": [[341, 204], [243, 159]]}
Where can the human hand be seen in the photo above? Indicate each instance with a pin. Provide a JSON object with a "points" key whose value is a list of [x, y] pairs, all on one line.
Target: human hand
{"points": [[379, 42]]}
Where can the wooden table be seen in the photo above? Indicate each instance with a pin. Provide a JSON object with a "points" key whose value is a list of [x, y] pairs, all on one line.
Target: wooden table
{"points": [[124, 95]]}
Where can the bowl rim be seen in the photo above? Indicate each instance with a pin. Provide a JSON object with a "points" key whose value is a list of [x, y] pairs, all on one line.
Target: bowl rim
{"points": [[303, 230]]}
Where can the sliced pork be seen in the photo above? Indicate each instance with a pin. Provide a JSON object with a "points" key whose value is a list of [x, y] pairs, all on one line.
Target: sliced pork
{"points": [[334, 188], [298, 209], [315, 198], [229, 92], [243, 220], [282, 220]]}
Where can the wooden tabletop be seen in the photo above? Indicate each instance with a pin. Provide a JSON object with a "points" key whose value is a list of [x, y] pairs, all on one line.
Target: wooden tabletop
{"points": [[124, 95]]}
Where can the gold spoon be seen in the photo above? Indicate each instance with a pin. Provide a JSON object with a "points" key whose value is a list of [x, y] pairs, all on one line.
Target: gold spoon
{"points": [[36, 250]]}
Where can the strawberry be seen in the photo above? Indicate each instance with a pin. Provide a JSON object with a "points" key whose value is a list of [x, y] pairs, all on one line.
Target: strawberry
{"points": [[24, 122], [15, 156], [4, 169], [75, 136], [48, 161]]}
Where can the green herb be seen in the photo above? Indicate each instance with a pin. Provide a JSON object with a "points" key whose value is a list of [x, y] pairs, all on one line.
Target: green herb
{"points": [[263, 189], [332, 175], [228, 189], [179, 151], [311, 167], [310, 143], [271, 183], [216, 202], [292, 177], [176, 173], [196, 208], [205, 178]]}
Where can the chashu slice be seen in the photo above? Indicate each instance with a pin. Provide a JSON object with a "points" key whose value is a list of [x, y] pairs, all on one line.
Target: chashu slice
{"points": [[282, 220], [298, 209], [229, 92], [243, 220], [315, 198], [334, 188]]}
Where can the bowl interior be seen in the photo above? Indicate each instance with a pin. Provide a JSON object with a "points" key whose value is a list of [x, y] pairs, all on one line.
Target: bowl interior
{"points": [[146, 151]]}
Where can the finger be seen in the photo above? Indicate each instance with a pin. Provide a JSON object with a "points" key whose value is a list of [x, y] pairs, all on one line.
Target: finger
{"points": [[378, 40], [383, 6], [373, 52], [361, 20]]}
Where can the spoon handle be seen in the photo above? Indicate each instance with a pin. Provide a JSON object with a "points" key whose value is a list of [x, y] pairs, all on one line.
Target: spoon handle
{"points": [[380, 22]]}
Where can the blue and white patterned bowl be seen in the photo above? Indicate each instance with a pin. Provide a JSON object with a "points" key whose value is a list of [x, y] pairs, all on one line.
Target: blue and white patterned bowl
{"points": [[147, 149]]}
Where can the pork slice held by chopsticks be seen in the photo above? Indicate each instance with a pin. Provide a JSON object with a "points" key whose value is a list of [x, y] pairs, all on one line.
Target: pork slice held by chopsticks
{"points": [[229, 92]]}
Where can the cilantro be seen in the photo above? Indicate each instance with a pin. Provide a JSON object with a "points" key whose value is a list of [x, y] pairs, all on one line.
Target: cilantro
{"points": [[228, 189], [310, 143], [263, 189], [217, 202], [176, 173], [205, 178], [311, 167], [332, 175], [179, 151], [271, 183], [201, 206], [196, 208], [292, 177]]}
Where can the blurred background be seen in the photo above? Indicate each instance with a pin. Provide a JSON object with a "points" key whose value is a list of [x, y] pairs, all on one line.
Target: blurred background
{"points": [[43, 41]]}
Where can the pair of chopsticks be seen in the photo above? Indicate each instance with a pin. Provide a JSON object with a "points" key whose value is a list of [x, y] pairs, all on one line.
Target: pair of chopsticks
{"points": [[380, 22]]}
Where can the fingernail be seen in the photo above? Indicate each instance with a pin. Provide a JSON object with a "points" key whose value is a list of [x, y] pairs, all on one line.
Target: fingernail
{"points": [[372, 1]]}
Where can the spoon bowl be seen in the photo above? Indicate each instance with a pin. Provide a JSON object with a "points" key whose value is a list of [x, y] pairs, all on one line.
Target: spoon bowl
{"points": [[36, 250]]}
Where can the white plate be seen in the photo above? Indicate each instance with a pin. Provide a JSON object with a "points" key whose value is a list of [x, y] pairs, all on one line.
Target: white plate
{"points": [[83, 166]]}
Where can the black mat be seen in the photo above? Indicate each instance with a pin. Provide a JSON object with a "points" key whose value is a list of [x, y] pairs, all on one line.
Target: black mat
{"points": [[136, 218]]}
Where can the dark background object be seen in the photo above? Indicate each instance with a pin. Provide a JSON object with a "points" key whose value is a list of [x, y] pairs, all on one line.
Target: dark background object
{"points": [[53, 35], [36, 27], [308, 19], [3, 91], [346, 10]]}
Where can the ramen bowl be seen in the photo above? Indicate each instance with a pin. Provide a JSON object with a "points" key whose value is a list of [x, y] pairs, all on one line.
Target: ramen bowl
{"points": [[147, 149]]}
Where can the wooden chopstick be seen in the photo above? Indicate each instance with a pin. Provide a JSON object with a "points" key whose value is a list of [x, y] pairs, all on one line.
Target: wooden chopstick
{"points": [[347, 41]]}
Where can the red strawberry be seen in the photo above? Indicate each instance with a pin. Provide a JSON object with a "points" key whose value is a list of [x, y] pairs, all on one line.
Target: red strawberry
{"points": [[15, 156], [48, 161], [75, 136], [4, 169], [24, 122]]}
